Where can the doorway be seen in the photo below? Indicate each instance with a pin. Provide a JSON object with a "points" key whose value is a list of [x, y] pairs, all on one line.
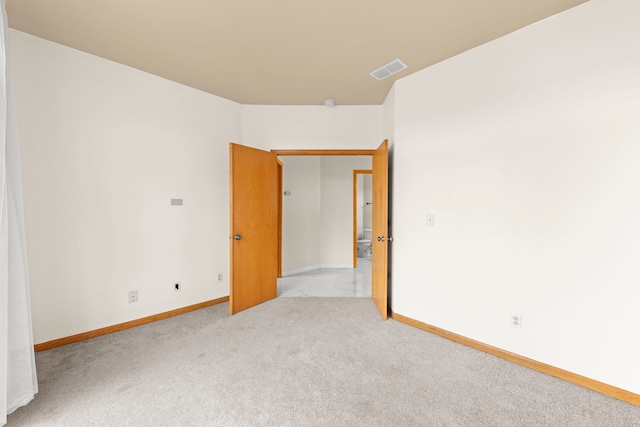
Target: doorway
{"points": [[318, 227], [254, 210]]}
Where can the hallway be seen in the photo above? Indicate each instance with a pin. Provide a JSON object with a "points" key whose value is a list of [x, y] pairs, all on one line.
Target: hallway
{"points": [[329, 282]]}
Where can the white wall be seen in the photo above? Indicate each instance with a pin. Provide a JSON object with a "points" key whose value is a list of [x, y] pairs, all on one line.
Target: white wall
{"points": [[389, 116], [104, 149], [367, 197], [526, 150], [312, 127], [301, 214]]}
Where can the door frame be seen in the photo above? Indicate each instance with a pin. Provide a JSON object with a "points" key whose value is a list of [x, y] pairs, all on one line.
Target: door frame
{"points": [[356, 172]]}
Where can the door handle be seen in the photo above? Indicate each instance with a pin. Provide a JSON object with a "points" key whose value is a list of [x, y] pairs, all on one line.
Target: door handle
{"points": [[237, 237], [382, 239]]}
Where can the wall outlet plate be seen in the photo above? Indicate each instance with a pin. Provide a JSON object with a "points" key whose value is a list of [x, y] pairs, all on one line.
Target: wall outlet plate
{"points": [[516, 321], [133, 296], [431, 219], [220, 277]]}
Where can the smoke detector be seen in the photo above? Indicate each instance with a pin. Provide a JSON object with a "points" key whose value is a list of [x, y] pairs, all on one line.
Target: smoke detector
{"points": [[388, 69], [330, 102]]}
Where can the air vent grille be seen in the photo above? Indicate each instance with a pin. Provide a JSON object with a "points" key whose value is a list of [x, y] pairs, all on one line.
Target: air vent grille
{"points": [[389, 69]]}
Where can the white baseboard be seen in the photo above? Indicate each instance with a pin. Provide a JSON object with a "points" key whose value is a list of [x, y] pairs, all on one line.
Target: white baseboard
{"points": [[300, 270], [313, 267], [336, 265]]}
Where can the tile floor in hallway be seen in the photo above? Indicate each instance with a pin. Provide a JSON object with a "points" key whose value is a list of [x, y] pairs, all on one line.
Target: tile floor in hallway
{"points": [[329, 282]]}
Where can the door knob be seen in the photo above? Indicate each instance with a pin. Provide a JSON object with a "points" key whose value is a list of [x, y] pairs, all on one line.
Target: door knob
{"points": [[379, 239], [237, 237]]}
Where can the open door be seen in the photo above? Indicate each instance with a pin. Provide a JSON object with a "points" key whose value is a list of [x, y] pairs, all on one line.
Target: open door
{"points": [[254, 227], [380, 239]]}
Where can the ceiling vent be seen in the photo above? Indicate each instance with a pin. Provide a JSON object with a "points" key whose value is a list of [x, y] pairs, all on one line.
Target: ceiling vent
{"points": [[388, 69]]}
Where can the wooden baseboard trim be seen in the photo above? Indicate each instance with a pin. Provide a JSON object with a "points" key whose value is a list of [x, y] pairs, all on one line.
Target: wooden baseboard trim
{"points": [[126, 325], [589, 383]]}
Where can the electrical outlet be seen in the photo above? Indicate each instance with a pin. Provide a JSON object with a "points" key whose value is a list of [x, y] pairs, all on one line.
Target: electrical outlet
{"points": [[220, 277], [177, 287], [516, 321], [431, 218], [133, 296]]}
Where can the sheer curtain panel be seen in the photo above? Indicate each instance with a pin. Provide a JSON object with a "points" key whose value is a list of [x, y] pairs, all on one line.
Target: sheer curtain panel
{"points": [[18, 383]]}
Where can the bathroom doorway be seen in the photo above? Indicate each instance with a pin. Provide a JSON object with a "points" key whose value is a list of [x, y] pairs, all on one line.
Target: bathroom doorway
{"points": [[362, 216]]}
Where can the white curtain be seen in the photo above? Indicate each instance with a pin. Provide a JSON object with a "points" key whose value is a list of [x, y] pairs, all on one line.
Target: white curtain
{"points": [[18, 382]]}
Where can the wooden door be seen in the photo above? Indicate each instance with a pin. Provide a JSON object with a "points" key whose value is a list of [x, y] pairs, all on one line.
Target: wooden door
{"points": [[254, 227], [380, 234]]}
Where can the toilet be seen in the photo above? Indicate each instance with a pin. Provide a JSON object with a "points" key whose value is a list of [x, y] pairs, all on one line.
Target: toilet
{"points": [[364, 245]]}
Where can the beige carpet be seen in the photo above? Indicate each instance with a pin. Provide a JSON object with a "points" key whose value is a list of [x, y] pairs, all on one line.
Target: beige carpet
{"points": [[299, 362]]}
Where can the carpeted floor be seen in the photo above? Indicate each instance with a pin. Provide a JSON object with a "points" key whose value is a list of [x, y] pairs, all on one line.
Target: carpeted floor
{"points": [[299, 362]]}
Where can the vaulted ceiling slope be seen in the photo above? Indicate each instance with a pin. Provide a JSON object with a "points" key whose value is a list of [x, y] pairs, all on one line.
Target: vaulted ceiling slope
{"points": [[278, 52]]}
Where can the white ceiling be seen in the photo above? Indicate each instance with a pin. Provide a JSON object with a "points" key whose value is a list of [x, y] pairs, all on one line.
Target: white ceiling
{"points": [[278, 52]]}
